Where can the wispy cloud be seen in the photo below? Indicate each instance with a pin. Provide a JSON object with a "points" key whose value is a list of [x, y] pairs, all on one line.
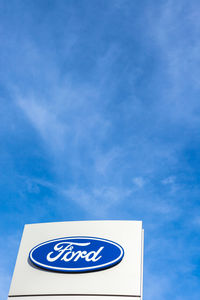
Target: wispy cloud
{"points": [[169, 180], [46, 122], [100, 119], [98, 202], [139, 182], [175, 37]]}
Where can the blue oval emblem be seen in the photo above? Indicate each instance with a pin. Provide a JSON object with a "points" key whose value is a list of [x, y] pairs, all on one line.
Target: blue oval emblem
{"points": [[76, 254]]}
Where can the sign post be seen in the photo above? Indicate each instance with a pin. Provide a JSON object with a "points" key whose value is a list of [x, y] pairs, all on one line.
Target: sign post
{"points": [[102, 260]]}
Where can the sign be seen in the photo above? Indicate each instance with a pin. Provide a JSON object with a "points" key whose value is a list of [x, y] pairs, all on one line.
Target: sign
{"points": [[76, 254], [99, 260]]}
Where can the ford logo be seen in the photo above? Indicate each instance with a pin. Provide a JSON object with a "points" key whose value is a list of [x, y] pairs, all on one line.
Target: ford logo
{"points": [[76, 254]]}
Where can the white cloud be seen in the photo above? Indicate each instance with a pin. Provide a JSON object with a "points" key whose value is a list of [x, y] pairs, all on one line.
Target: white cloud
{"points": [[97, 201], [47, 123], [155, 285], [139, 182], [104, 161], [169, 180], [172, 184], [66, 126], [175, 36]]}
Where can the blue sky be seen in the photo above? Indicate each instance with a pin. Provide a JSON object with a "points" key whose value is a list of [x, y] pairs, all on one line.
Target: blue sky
{"points": [[100, 119]]}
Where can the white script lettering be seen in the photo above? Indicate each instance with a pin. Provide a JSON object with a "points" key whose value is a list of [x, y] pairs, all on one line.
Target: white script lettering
{"points": [[64, 251]]}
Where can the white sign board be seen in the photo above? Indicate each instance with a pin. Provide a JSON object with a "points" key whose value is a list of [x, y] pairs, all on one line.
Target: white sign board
{"points": [[79, 259]]}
